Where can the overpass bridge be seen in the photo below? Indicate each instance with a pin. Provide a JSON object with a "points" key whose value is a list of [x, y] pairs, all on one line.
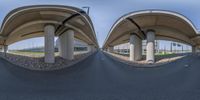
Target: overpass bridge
{"points": [[65, 22], [151, 25]]}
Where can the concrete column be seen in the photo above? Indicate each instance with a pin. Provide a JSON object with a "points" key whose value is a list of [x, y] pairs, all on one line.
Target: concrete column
{"points": [[150, 46], [58, 44], [49, 31], [93, 48], [5, 49], [194, 49], [110, 49], [89, 48], [1, 48], [135, 48], [67, 45]]}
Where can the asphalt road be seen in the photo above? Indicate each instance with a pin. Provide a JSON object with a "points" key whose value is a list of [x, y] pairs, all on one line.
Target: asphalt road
{"points": [[101, 78]]}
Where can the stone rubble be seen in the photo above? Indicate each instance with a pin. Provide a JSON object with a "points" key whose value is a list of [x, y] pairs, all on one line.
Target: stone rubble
{"points": [[37, 63], [160, 60]]}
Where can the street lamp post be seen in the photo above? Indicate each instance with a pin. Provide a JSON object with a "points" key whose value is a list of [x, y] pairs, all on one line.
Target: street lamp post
{"points": [[182, 48], [88, 9], [171, 48]]}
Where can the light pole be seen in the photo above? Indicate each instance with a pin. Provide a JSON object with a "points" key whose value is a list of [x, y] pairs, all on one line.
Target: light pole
{"points": [[88, 9], [171, 47], [158, 47], [182, 48]]}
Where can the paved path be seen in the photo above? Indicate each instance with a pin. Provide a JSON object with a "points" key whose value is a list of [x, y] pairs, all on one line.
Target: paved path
{"points": [[102, 78]]}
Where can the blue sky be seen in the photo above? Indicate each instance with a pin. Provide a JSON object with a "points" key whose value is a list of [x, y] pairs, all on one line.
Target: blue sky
{"points": [[105, 12]]}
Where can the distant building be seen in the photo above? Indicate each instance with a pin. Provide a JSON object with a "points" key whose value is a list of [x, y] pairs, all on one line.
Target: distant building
{"points": [[174, 47], [78, 45]]}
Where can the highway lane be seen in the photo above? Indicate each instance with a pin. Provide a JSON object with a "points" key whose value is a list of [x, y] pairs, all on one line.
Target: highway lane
{"points": [[99, 77]]}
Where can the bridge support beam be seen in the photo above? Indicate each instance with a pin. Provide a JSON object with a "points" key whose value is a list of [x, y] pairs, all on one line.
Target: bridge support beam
{"points": [[67, 45], [135, 48], [150, 53], [49, 32]]}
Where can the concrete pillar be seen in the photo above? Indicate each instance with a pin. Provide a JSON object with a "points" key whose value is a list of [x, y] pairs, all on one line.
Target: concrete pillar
{"points": [[135, 48], [58, 44], [5, 49], [67, 45], [194, 49], [110, 49], [150, 55], [89, 48], [1, 48], [49, 32], [94, 48]]}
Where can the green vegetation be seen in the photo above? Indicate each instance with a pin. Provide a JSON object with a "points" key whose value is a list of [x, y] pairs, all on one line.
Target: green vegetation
{"points": [[164, 54], [157, 54], [38, 53], [28, 53]]}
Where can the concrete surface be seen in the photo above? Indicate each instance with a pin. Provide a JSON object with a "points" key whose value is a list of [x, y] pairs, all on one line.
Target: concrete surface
{"points": [[150, 49], [67, 45], [135, 48], [49, 56]]}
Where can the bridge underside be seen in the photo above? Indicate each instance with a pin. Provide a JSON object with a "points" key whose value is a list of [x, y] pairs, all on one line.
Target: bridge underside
{"points": [[48, 21], [150, 26]]}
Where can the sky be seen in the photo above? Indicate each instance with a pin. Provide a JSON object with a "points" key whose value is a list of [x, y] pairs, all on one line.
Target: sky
{"points": [[104, 13]]}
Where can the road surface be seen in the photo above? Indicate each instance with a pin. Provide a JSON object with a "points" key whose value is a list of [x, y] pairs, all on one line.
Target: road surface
{"points": [[101, 78]]}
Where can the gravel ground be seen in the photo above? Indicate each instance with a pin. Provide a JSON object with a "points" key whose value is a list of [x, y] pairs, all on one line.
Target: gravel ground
{"points": [[37, 63], [160, 60]]}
